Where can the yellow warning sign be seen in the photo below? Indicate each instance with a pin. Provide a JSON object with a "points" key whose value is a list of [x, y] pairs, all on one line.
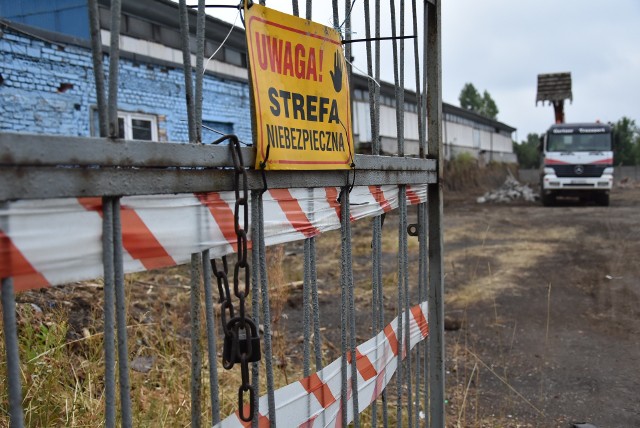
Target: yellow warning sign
{"points": [[301, 92]]}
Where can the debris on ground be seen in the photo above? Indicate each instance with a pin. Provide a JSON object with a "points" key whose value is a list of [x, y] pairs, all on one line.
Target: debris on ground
{"points": [[511, 190], [626, 183]]}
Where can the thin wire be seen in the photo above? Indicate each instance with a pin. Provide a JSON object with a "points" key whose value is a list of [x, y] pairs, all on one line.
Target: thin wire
{"points": [[223, 42], [348, 15], [366, 74]]}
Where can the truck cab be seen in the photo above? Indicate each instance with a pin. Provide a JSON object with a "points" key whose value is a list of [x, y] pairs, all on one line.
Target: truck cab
{"points": [[577, 161]]}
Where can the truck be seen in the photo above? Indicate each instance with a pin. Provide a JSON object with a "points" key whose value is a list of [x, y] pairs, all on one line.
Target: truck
{"points": [[577, 161]]}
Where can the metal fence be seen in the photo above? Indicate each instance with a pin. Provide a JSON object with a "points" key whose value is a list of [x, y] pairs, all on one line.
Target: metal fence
{"points": [[42, 167]]}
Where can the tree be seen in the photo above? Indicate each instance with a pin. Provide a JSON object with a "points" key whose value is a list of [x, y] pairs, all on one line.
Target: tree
{"points": [[489, 107], [626, 142], [471, 99], [527, 151]]}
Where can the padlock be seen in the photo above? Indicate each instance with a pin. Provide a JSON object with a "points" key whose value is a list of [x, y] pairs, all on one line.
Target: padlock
{"points": [[237, 343]]}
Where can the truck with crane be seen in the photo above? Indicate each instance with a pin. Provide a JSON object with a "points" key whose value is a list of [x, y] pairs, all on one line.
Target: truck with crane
{"points": [[577, 158]]}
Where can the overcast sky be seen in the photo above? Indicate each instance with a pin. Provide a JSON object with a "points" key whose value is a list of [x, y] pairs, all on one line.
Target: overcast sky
{"points": [[502, 45]]}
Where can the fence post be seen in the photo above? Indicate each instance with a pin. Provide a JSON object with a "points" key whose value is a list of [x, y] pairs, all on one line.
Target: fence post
{"points": [[433, 69]]}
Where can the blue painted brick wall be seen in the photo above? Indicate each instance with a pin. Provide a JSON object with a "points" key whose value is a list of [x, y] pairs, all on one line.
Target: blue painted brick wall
{"points": [[33, 70]]}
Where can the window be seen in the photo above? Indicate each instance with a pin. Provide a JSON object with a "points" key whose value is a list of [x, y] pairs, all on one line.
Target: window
{"points": [[234, 57], [476, 138], [131, 126], [136, 126]]}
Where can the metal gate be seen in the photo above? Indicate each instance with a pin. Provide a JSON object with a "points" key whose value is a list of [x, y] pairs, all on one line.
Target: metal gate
{"points": [[35, 169]]}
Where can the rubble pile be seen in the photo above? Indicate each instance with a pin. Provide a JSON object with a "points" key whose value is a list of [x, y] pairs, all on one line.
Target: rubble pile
{"points": [[510, 191]]}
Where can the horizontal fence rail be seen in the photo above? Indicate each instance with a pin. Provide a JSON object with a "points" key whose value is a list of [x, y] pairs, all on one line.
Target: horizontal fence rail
{"points": [[83, 167]]}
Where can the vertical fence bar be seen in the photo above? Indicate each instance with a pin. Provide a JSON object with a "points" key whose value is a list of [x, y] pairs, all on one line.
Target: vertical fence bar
{"points": [[121, 318], [347, 227], [306, 314], [199, 70], [186, 64], [10, 327], [434, 196], [422, 288], [352, 320], [13, 355], [416, 60], [317, 340], [114, 59], [343, 304], [212, 346], [255, 291], [266, 316], [422, 229], [109, 316], [196, 353], [98, 66]]}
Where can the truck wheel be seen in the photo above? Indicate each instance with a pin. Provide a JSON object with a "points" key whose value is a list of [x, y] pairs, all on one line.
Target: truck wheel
{"points": [[548, 199], [603, 199]]}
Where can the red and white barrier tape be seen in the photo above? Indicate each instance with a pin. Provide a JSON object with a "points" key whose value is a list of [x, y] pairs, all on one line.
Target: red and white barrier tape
{"points": [[315, 401], [56, 241]]}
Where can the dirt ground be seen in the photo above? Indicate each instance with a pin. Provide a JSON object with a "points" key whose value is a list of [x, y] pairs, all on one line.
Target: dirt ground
{"points": [[542, 307], [549, 304]]}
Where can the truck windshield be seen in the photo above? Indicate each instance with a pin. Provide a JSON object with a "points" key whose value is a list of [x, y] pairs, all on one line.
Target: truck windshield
{"points": [[578, 142]]}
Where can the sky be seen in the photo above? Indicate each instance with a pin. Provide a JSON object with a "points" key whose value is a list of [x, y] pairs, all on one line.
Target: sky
{"points": [[502, 45]]}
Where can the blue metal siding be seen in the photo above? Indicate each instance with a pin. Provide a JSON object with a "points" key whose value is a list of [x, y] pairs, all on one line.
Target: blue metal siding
{"points": [[35, 96], [63, 16]]}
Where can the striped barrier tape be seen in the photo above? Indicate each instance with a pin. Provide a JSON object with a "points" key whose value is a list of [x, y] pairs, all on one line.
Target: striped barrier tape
{"points": [[57, 241], [315, 401]]}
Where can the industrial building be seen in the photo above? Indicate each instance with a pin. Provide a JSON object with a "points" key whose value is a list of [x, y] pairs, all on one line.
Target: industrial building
{"points": [[46, 82]]}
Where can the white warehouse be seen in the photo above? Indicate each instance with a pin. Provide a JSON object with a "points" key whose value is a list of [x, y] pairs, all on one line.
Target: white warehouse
{"points": [[462, 130]]}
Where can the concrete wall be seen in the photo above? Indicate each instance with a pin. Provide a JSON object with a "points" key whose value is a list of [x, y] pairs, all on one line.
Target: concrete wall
{"points": [[49, 88]]}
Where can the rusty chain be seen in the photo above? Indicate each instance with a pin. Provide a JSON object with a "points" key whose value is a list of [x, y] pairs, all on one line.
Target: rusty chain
{"points": [[241, 338]]}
